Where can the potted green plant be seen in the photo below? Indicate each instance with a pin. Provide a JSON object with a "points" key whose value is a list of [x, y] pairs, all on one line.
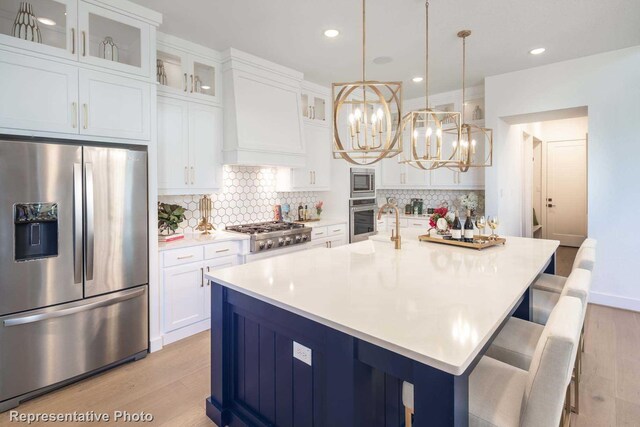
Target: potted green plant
{"points": [[169, 217]]}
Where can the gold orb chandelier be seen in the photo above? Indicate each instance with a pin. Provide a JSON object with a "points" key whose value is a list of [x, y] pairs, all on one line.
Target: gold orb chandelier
{"points": [[367, 116], [473, 147], [426, 125]]}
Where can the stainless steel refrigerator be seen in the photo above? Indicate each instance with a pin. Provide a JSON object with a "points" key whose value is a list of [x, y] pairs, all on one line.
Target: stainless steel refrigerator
{"points": [[73, 263]]}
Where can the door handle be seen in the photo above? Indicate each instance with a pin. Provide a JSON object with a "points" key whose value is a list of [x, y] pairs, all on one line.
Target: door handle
{"points": [[85, 109], [74, 123], [77, 223], [73, 310], [73, 41], [549, 205], [84, 43], [89, 215]]}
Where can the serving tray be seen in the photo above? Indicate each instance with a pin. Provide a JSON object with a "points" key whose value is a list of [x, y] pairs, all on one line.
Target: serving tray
{"points": [[475, 245]]}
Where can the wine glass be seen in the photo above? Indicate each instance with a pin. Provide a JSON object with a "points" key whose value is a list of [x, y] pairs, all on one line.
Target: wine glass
{"points": [[493, 224], [481, 223]]}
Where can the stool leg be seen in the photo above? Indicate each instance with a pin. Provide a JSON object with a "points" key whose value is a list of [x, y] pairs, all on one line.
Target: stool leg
{"points": [[408, 412]]}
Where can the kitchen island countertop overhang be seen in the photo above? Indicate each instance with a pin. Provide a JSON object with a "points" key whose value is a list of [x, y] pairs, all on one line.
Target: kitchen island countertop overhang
{"points": [[431, 303]]}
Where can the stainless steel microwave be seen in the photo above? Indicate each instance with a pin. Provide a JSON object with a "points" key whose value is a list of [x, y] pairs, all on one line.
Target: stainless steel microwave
{"points": [[363, 183]]}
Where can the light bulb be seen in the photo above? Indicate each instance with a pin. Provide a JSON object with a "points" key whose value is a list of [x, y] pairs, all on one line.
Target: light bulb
{"points": [[380, 113], [429, 131], [358, 114], [439, 132], [455, 144], [351, 118], [415, 133], [473, 142]]}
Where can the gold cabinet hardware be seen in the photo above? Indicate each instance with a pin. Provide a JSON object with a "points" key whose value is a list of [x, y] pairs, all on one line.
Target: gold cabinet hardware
{"points": [[222, 251], [185, 257], [202, 277], [74, 122], [85, 109], [73, 40], [185, 82], [84, 43]]}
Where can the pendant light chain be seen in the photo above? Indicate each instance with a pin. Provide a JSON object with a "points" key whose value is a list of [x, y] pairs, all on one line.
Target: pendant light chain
{"points": [[426, 65]]}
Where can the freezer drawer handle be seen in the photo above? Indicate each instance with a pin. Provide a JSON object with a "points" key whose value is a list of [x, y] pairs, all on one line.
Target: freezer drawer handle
{"points": [[73, 310]]}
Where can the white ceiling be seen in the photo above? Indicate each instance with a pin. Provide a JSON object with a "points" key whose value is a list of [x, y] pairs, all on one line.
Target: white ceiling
{"points": [[290, 32]]}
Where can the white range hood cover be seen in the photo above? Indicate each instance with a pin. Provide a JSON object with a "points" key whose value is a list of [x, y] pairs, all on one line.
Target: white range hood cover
{"points": [[263, 121]]}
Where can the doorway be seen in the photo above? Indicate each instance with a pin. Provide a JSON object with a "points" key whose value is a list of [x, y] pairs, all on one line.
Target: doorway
{"points": [[555, 180]]}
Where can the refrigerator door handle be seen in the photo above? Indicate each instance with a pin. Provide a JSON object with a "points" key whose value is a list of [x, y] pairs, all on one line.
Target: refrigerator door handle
{"points": [[89, 215], [77, 223], [73, 310]]}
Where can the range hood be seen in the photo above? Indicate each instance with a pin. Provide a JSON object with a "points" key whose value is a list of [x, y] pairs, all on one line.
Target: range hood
{"points": [[262, 112]]}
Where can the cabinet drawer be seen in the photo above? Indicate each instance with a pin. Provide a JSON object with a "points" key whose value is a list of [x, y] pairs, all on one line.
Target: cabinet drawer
{"points": [[418, 223], [182, 256], [318, 232], [403, 223], [337, 230], [221, 249]]}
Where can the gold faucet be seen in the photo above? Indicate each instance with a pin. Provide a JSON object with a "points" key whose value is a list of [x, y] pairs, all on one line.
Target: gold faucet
{"points": [[394, 238]]}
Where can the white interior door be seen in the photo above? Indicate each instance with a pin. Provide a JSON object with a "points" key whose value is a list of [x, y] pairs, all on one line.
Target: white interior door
{"points": [[566, 201]]}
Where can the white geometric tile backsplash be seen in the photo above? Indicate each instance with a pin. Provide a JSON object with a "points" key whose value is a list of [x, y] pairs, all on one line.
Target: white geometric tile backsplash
{"points": [[248, 195]]}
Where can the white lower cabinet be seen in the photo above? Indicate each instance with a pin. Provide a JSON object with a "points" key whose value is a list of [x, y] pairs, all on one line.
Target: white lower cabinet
{"points": [[189, 147], [184, 296], [186, 293], [329, 237], [37, 94], [114, 106]]}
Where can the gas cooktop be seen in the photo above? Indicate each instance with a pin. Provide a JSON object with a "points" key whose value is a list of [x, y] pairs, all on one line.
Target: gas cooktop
{"points": [[274, 234]]}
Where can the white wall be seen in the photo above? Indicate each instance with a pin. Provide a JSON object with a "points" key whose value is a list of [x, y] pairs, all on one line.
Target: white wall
{"points": [[608, 85]]}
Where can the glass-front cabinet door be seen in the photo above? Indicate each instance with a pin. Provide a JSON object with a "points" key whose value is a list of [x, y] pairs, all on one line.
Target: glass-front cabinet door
{"points": [[172, 69], [45, 26], [112, 40], [203, 79]]}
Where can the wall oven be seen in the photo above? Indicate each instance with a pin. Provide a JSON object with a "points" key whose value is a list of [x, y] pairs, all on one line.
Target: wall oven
{"points": [[363, 183], [362, 219]]}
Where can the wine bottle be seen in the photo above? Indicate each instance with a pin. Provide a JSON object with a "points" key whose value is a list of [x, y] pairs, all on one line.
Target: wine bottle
{"points": [[456, 229], [300, 212], [468, 228], [306, 212]]}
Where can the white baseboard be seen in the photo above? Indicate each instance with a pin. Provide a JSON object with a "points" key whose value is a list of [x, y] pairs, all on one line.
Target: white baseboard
{"points": [[614, 301], [155, 344], [185, 332]]}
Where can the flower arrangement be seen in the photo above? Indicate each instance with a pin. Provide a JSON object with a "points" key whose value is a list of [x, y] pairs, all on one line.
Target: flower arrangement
{"points": [[439, 213], [470, 202], [319, 207]]}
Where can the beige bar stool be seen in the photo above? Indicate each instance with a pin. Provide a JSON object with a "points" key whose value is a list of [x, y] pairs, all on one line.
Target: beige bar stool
{"points": [[502, 395], [585, 259], [516, 343]]}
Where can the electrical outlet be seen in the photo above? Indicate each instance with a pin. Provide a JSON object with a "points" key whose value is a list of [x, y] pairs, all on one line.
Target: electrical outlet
{"points": [[302, 353]]}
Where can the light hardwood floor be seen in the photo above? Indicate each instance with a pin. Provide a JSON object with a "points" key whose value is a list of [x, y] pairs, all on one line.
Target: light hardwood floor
{"points": [[172, 384]]}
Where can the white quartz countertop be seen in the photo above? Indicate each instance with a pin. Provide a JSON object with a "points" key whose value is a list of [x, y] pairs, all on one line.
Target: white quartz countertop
{"points": [[325, 222], [195, 239], [432, 303]]}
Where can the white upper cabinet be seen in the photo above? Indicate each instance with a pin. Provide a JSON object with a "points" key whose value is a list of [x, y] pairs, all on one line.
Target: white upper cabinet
{"points": [[316, 104], [56, 21], [186, 69], [37, 94], [114, 106], [316, 174], [189, 147], [86, 69], [112, 40], [263, 123]]}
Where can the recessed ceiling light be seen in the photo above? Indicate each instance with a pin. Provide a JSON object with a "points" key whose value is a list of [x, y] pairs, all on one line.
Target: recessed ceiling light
{"points": [[381, 60], [537, 51], [331, 33], [418, 79], [46, 21]]}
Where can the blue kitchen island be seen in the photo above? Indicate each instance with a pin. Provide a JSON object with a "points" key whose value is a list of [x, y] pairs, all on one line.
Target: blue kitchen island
{"points": [[325, 337]]}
